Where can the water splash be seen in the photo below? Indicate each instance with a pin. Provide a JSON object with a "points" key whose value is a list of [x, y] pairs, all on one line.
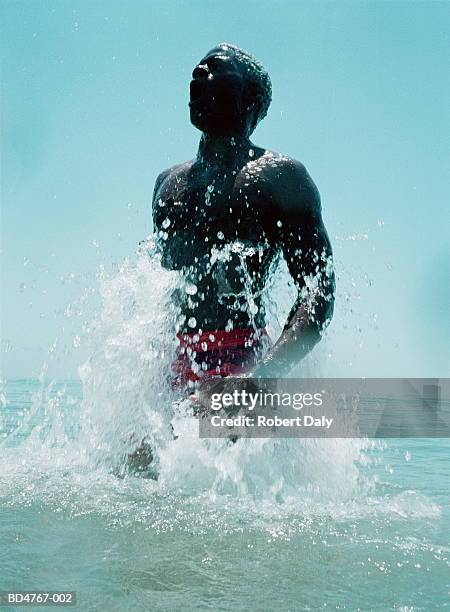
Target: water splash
{"points": [[127, 396]]}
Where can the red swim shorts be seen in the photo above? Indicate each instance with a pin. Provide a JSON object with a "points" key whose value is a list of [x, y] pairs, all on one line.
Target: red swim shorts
{"points": [[217, 353]]}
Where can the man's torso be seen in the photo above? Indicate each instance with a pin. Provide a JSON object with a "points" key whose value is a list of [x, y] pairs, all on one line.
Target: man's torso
{"points": [[219, 226]]}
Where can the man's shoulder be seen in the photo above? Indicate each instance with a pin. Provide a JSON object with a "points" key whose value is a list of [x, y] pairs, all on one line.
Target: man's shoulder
{"points": [[173, 173], [282, 165], [290, 181]]}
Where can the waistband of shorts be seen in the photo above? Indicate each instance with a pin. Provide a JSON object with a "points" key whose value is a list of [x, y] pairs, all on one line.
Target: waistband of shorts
{"points": [[220, 339]]}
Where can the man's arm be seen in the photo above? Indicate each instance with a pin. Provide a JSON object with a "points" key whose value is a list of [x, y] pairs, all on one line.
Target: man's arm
{"points": [[307, 250]]}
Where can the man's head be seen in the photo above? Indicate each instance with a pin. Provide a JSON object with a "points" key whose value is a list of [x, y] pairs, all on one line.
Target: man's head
{"points": [[230, 92]]}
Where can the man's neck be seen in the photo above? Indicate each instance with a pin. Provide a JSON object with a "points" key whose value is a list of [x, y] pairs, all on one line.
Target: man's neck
{"points": [[223, 150]]}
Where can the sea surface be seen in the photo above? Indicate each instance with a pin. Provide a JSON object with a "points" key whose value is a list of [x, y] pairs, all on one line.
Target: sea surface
{"points": [[264, 525]]}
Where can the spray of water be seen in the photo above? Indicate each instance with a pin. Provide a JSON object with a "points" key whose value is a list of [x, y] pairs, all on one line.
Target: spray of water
{"points": [[128, 397]]}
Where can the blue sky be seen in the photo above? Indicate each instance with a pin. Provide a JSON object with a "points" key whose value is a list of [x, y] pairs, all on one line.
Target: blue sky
{"points": [[94, 105]]}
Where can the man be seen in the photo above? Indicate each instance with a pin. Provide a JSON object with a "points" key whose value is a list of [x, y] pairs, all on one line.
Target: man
{"points": [[222, 219]]}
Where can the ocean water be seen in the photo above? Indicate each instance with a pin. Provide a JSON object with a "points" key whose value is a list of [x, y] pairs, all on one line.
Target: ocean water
{"points": [[259, 525]]}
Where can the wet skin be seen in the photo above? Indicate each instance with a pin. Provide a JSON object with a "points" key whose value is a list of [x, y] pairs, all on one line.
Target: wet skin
{"points": [[224, 218]]}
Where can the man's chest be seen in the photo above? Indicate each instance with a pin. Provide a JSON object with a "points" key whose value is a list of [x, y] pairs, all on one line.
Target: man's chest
{"points": [[211, 211]]}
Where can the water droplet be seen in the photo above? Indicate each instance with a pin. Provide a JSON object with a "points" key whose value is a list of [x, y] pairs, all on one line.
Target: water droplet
{"points": [[192, 322], [166, 223], [229, 326], [191, 289], [220, 235], [279, 223], [208, 193], [251, 153]]}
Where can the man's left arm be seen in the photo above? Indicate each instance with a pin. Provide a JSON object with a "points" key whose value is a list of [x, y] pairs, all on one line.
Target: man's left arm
{"points": [[306, 247]]}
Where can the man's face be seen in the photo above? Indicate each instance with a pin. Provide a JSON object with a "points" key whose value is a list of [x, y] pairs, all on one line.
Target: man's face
{"points": [[217, 93]]}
